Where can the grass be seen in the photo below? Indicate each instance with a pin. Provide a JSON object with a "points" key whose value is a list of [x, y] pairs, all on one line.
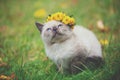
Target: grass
{"points": [[21, 47]]}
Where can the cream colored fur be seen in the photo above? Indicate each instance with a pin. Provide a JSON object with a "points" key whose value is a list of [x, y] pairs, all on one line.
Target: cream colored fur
{"points": [[80, 42]]}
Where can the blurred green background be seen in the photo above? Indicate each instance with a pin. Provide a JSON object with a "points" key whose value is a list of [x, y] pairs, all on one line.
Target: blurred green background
{"points": [[22, 54]]}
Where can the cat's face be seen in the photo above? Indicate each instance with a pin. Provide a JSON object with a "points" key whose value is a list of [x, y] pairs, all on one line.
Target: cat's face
{"points": [[54, 31]]}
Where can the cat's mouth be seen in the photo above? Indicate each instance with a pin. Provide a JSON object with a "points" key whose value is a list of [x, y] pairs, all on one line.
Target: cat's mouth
{"points": [[56, 34]]}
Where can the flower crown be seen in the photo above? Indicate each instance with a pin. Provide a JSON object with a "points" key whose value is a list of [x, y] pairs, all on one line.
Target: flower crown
{"points": [[62, 17]]}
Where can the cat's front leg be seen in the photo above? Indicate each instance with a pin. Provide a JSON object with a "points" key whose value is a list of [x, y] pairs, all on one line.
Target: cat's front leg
{"points": [[60, 68], [62, 65], [59, 64]]}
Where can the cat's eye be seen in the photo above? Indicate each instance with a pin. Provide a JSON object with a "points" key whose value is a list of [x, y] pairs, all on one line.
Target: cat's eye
{"points": [[59, 25], [48, 29]]}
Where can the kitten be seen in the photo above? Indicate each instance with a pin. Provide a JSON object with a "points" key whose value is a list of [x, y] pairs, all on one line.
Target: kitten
{"points": [[70, 49]]}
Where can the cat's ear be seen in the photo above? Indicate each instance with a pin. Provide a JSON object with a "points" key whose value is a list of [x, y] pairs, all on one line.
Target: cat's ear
{"points": [[39, 26]]}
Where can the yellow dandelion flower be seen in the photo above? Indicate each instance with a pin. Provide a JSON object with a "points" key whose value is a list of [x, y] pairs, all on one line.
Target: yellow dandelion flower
{"points": [[66, 20], [53, 17], [72, 21], [40, 13], [56, 16], [59, 16], [104, 42], [49, 18]]}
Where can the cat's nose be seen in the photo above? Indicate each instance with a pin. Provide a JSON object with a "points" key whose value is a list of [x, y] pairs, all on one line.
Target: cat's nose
{"points": [[54, 28]]}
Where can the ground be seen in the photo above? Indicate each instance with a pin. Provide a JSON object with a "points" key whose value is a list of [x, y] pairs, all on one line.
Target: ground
{"points": [[22, 54]]}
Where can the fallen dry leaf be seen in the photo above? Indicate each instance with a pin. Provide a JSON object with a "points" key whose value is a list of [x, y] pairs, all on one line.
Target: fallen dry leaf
{"points": [[3, 77], [12, 76], [101, 26], [3, 64], [106, 29]]}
